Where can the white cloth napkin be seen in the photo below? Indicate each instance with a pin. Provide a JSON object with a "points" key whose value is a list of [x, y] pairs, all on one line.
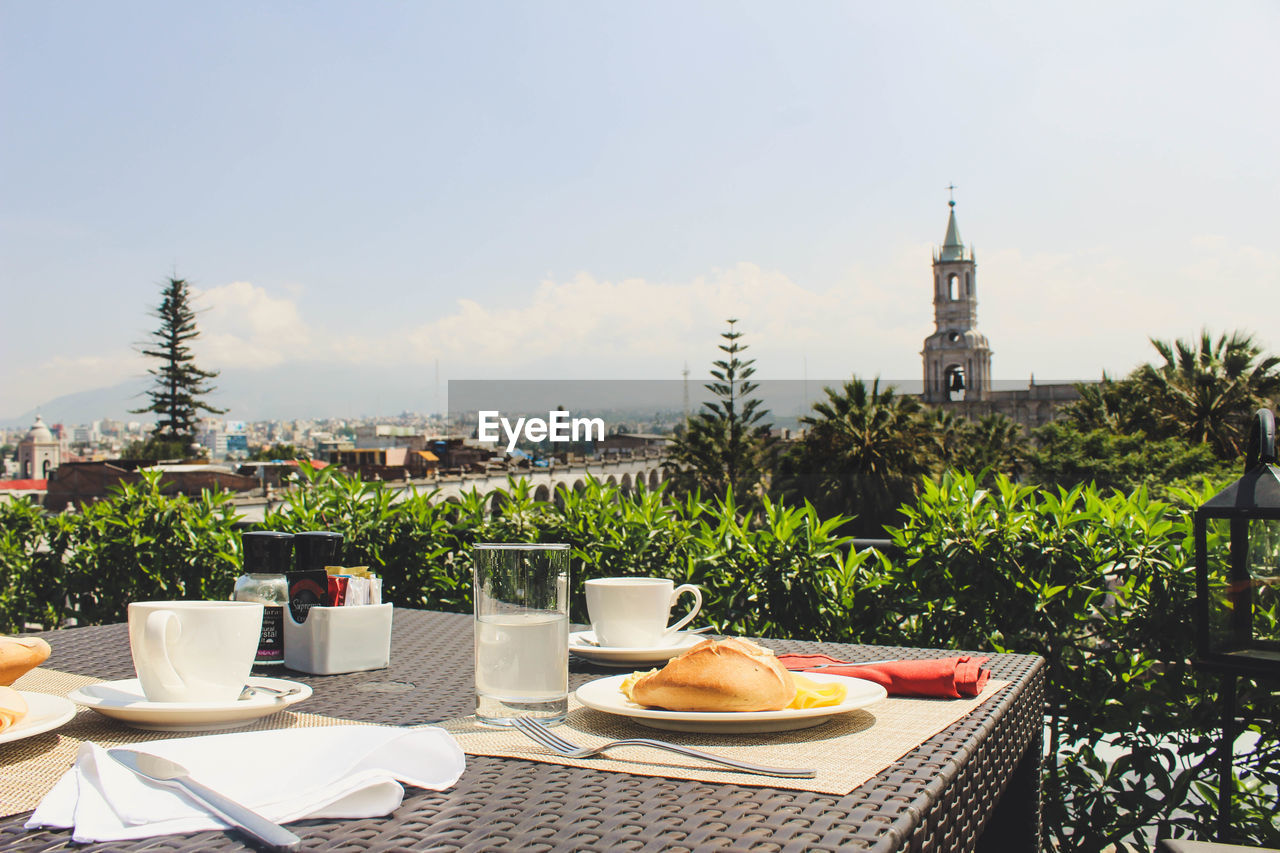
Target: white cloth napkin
{"points": [[285, 775]]}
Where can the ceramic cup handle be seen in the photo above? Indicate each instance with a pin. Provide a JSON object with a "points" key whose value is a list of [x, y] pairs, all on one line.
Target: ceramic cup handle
{"points": [[155, 639], [697, 605]]}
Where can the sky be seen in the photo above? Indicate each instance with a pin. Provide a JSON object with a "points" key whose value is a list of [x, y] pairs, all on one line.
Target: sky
{"points": [[384, 193]]}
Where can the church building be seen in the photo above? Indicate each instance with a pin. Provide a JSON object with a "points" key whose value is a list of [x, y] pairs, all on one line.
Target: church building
{"points": [[957, 357], [39, 453]]}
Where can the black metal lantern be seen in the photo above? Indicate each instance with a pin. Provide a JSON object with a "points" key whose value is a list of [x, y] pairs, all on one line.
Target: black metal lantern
{"points": [[1237, 535]]}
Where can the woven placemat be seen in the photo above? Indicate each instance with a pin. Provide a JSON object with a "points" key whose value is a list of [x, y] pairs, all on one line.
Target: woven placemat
{"points": [[846, 751], [30, 767]]}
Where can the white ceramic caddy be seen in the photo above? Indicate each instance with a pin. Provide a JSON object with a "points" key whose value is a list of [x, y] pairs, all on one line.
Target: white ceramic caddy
{"points": [[333, 640]]}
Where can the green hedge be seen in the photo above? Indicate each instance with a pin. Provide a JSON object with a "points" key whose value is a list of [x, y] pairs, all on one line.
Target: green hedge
{"points": [[85, 566], [1103, 587], [1099, 584]]}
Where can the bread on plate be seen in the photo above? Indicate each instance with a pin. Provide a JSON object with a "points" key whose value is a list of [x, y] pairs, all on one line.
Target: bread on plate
{"points": [[716, 675], [19, 655]]}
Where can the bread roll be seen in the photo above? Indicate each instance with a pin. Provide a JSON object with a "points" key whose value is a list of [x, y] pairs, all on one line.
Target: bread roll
{"points": [[18, 655], [12, 707], [718, 675]]}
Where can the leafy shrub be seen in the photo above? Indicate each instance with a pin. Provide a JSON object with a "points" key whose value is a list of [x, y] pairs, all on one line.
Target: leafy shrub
{"points": [[30, 549], [138, 544], [417, 546], [141, 545], [1103, 587], [1067, 454]]}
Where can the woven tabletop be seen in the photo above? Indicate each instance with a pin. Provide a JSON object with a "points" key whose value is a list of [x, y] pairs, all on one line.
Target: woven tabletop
{"points": [[974, 785]]}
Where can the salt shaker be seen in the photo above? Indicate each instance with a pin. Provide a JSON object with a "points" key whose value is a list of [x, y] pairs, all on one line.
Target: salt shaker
{"points": [[268, 554]]}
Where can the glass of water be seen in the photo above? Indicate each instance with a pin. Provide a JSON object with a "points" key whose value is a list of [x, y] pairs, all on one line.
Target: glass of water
{"points": [[521, 632]]}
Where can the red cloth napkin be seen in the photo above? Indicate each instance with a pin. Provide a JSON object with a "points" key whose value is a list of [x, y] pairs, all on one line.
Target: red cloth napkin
{"points": [[949, 678]]}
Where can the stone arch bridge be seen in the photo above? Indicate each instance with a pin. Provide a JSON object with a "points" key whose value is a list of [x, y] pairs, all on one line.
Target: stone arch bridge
{"points": [[625, 472]]}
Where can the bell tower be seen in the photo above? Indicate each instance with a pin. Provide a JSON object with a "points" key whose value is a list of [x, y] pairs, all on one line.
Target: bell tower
{"points": [[957, 360]]}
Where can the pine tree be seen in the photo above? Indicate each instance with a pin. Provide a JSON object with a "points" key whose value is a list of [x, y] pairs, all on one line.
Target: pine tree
{"points": [[724, 445], [179, 383]]}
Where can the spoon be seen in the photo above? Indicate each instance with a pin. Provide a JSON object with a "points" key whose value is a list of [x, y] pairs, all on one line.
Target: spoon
{"points": [[250, 689]]}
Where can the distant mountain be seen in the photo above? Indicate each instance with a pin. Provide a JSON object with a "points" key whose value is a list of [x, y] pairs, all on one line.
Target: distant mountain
{"points": [[283, 393], [85, 406], [295, 392]]}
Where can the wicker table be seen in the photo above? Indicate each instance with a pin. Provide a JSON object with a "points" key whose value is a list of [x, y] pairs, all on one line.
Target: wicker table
{"points": [[976, 785]]}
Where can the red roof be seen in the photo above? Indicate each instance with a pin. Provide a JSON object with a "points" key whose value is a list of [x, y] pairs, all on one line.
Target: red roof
{"points": [[314, 463], [25, 485]]}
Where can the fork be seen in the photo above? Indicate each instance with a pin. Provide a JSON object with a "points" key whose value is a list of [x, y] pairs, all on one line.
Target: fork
{"points": [[536, 731]]}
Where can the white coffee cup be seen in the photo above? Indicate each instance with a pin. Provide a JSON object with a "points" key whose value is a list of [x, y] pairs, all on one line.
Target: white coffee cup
{"points": [[194, 651], [633, 612]]}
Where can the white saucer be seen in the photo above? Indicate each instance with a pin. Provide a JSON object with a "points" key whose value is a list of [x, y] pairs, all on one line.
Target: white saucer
{"points": [[44, 714], [125, 701], [580, 643], [603, 695]]}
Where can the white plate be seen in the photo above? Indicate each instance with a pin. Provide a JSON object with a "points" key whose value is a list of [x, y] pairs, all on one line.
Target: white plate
{"points": [[44, 714], [580, 644], [603, 695], [125, 701]]}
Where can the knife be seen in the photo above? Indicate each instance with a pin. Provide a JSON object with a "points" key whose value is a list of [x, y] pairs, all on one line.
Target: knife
{"points": [[171, 774]]}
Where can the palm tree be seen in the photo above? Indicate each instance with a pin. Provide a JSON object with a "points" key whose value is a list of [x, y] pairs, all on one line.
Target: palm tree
{"points": [[996, 443], [865, 452], [948, 434], [1208, 391], [1112, 405]]}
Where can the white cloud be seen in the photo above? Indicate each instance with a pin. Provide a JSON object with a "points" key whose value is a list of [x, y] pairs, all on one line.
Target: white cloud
{"points": [[1058, 315], [1074, 315], [241, 325], [634, 328]]}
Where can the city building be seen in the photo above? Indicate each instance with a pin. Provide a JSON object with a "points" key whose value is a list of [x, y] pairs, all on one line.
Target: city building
{"points": [[85, 482], [459, 454], [386, 463], [214, 440], [620, 442], [325, 445], [85, 435], [379, 436], [30, 490]]}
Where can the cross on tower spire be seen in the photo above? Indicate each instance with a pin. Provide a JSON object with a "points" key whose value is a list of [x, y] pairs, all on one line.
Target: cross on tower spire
{"points": [[951, 188]]}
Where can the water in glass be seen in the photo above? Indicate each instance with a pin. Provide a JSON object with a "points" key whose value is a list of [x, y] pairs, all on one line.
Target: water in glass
{"points": [[522, 664]]}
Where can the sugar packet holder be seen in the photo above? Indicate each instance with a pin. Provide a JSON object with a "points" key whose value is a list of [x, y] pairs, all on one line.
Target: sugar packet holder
{"points": [[321, 639], [353, 587]]}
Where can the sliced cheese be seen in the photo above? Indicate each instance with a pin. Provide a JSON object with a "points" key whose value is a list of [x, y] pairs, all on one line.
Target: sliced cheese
{"points": [[12, 707], [629, 683], [814, 694]]}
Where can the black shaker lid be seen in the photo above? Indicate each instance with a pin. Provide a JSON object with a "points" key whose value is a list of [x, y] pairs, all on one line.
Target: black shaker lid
{"points": [[267, 551], [316, 549]]}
